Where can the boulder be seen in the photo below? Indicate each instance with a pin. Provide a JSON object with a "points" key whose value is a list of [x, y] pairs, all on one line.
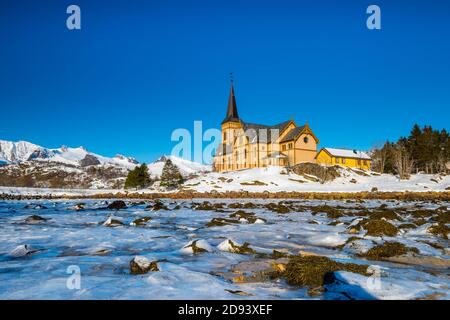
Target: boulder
{"points": [[111, 222], [141, 265], [34, 219], [22, 251], [117, 205], [196, 247]]}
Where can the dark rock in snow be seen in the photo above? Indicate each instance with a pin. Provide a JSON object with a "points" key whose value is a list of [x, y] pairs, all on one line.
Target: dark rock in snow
{"points": [[89, 160], [22, 251], [111, 222], [117, 205], [40, 153], [141, 265], [35, 219]]}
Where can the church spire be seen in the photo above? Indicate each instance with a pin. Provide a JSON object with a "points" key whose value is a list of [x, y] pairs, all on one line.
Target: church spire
{"points": [[232, 114]]}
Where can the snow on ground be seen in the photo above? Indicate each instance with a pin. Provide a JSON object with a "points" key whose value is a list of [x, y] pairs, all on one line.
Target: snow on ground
{"points": [[78, 239], [275, 179]]}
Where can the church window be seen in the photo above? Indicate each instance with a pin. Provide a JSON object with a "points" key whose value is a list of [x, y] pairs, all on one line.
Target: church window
{"points": [[306, 139]]}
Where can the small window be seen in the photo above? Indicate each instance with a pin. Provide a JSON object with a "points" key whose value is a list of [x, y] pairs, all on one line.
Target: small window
{"points": [[224, 136], [365, 162], [283, 147], [343, 160], [290, 146], [337, 160], [306, 139]]}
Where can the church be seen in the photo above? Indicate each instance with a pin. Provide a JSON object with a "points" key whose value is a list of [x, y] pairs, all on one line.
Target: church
{"points": [[248, 145]]}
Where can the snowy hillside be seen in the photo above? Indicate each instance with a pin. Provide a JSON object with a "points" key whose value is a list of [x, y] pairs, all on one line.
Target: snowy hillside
{"points": [[277, 179], [187, 168]]}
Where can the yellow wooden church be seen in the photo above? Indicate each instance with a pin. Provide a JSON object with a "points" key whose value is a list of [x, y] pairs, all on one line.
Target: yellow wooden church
{"points": [[247, 145]]}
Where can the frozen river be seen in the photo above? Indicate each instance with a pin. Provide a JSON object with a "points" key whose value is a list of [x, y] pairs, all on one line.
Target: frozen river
{"points": [[43, 245]]}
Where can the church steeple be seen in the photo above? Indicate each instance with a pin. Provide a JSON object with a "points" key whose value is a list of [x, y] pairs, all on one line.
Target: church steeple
{"points": [[232, 114]]}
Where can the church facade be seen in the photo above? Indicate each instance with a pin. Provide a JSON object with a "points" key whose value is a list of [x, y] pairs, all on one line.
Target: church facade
{"points": [[247, 145]]}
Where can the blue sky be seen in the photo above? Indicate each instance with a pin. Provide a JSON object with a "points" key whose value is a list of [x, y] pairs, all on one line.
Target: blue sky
{"points": [[137, 70]]}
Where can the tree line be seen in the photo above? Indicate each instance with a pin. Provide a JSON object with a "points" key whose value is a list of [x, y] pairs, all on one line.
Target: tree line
{"points": [[425, 150]]}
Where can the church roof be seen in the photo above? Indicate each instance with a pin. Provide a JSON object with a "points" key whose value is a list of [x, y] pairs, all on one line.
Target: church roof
{"points": [[293, 133], [232, 114], [265, 135]]}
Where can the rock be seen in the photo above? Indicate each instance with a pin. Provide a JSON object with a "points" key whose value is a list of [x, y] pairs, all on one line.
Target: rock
{"points": [[233, 247], [89, 160], [447, 189], [353, 181], [34, 219], [374, 189], [117, 205], [77, 207], [140, 221], [196, 247], [22, 251], [35, 206], [111, 222], [141, 265], [320, 173], [353, 231], [239, 292], [102, 252]]}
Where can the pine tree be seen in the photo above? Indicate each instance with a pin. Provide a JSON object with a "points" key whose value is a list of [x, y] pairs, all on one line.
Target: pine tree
{"points": [[138, 177], [171, 176]]}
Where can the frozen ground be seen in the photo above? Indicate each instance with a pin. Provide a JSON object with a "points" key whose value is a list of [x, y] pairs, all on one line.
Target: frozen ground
{"points": [[77, 236]]}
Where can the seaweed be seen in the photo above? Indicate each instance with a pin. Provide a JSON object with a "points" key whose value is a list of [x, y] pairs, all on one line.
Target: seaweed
{"points": [[377, 228], [277, 207], [387, 250], [439, 229], [313, 271], [332, 213], [386, 214], [220, 222]]}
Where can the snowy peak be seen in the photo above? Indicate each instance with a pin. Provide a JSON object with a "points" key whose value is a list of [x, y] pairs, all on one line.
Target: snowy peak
{"points": [[186, 167], [16, 151], [22, 151]]}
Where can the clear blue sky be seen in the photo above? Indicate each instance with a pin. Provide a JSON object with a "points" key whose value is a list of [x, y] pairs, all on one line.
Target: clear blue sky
{"points": [[140, 69]]}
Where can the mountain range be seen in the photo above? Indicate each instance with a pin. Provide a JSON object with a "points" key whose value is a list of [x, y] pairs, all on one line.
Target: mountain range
{"points": [[24, 164]]}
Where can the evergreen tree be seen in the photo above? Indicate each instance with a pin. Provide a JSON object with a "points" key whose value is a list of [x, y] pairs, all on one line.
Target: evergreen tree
{"points": [[428, 149], [171, 176], [138, 177]]}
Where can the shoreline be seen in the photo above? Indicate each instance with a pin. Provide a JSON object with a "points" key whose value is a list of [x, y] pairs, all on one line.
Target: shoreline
{"points": [[365, 195]]}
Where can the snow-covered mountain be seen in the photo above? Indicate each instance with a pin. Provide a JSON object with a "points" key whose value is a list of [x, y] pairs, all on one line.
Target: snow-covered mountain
{"points": [[24, 164], [16, 151], [187, 168], [22, 151]]}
